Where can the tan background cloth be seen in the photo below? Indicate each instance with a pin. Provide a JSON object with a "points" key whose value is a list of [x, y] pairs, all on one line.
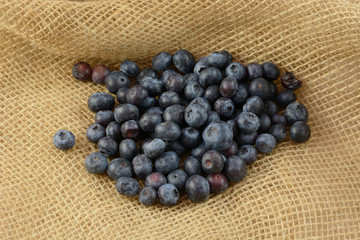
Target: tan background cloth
{"points": [[300, 191]]}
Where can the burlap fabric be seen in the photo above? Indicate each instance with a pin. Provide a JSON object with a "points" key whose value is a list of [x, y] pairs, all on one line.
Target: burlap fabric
{"points": [[300, 191]]}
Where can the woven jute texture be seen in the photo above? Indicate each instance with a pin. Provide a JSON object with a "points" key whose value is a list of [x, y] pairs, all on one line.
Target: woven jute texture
{"points": [[299, 191]]}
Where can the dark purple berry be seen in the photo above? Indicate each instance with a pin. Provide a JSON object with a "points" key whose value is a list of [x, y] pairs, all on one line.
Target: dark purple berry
{"points": [[155, 180], [289, 81], [218, 183], [82, 71], [99, 74], [119, 167], [197, 188], [212, 162], [130, 129], [231, 150], [228, 87], [235, 169], [136, 94], [116, 80]]}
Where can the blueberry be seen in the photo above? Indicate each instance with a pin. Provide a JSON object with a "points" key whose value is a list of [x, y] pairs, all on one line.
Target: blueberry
{"points": [[254, 70], [121, 95], [108, 146], [191, 77], [224, 107], [195, 115], [235, 169], [166, 74], [113, 130], [127, 186], [212, 162], [300, 132], [228, 57], [64, 139], [193, 90], [199, 150], [278, 119], [153, 86], [296, 112], [136, 94], [241, 94], [197, 188], [254, 104], [167, 162], [192, 166], [213, 117], [154, 148], [149, 120], [190, 137], [82, 71], [218, 60], [231, 150], [146, 72], [147, 196], [212, 93], [157, 110], [271, 71], [218, 183], [175, 146], [130, 129], [147, 103], [270, 108], [228, 87], [96, 163], [247, 153], [95, 132], [289, 81], [167, 131], [200, 66], [279, 132], [247, 139], [236, 70], [155, 180], [119, 167], [203, 102], [210, 76], [99, 74], [286, 97], [175, 82], [100, 101], [174, 113], [261, 88], [168, 195], [142, 166], [217, 136], [265, 143], [104, 117], [130, 68], [128, 149], [234, 126], [248, 122], [125, 112], [116, 80], [162, 61], [169, 98], [184, 61], [265, 122], [178, 179]]}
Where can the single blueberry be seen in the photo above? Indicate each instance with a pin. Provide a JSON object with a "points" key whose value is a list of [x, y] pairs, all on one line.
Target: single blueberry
{"points": [[146, 72], [99, 74], [241, 94], [193, 90], [153, 86], [136, 94], [96, 163], [166, 74], [142, 166], [236, 70], [210, 76], [254, 70], [104, 117], [248, 122], [195, 115], [296, 112], [286, 97], [224, 107], [162, 61], [203, 102], [100, 101], [169, 98], [178, 179], [231, 150], [147, 196], [218, 60], [190, 137], [184, 61], [235, 169], [130, 129], [228, 57], [212, 162], [82, 71], [121, 95], [64, 139], [168, 195], [119, 167], [192, 166], [149, 120], [270, 108], [167, 131], [125, 112], [174, 113], [167, 162], [154, 148], [95, 132], [108, 146], [130, 68], [265, 143], [218, 183], [113, 130], [116, 80], [175, 82], [197, 188], [279, 132], [228, 87], [248, 153], [127, 186], [300, 132], [254, 104], [212, 93], [201, 65], [155, 180], [261, 88], [271, 71], [217, 136], [128, 149]]}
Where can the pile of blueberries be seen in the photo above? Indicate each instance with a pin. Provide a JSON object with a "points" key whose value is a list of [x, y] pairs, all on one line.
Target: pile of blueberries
{"points": [[215, 112]]}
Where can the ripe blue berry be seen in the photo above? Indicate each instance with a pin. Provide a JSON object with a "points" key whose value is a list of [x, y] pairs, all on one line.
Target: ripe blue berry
{"points": [[64, 139], [271, 71], [130, 68], [193, 90], [184, 61], [119, 167], [235, 169], [130, 129], [197, 188], [213, 117], [203, 102], [212, 93], [192, 166], [154, 148], [231, 150], [157, 110], [82, 71], [142, 166], [218, 183], [95, 132], [116, 80], [300, 132], [128, 149], [286, 97], [136, 94], [210, 76], [168, 131], [217, 136], [191, 77], [278, 131], [228, 87], [254, 71], [248, 122], [178, 179], [113, 130], [212, 162], [100, 101], [146, 72], [261, 88], [125, 112], [127, 186], [108, 146], [241, 94], [190, 137], [96, 163], [199, 150], [174, 113], [169, 98], [236, 70], [162, 61], [167, 162], [265, 143], [149, 120], [153, 86], [147, 103], [155, 180], [195, 115], [200, 66], [104, 117], [296, 112], [254, 104], [168, 195], [218, 60], [224, 107], [99, 74], [248, 153], [147, 196], [175, 82]]}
